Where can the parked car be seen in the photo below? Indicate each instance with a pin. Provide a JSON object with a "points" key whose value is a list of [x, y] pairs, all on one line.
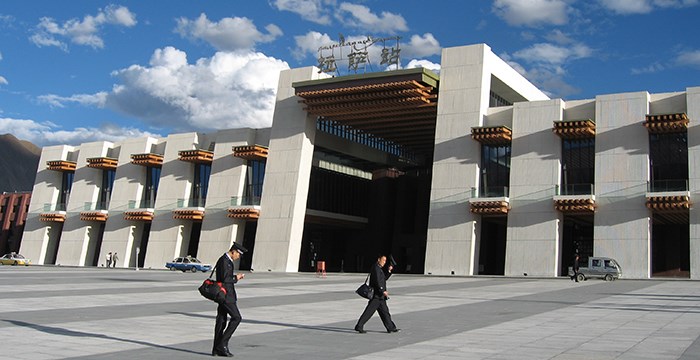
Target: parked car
{"points": [[187, 263], [598, 268], [14, 259]]}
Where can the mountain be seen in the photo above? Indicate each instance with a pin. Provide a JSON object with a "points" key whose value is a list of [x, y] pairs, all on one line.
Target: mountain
{"points": [[19, 160]]}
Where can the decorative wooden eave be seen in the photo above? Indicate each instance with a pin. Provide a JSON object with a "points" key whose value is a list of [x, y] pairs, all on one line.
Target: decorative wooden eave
{"points": [[103, 163], [499, 207], [53, 217], [61, 165], [244, 213], [667, 123], [197, 156], [575, 206], [188, 214], [574, 129], [139, 215], [677, 203], [99, 215], [496, 135], [148, 159], [250, 152]]}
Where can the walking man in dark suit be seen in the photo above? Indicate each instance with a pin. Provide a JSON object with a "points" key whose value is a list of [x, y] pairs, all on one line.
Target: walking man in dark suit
{"points": [[377, 280], [225, 273]]}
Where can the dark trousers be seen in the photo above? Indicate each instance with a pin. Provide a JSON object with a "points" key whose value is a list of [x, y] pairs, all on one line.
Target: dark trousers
{"points": [[376, 304], [223, 333]]}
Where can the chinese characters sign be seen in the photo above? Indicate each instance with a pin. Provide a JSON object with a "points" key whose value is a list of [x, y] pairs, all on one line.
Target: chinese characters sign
{"points": [[358, 54]]}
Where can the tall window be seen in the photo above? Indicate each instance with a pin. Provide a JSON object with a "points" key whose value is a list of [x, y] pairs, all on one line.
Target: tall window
{"points": [[152, 180], [66, 184], [201, 184], [255, 175], [578, 172], [495, 170], [105, 189], [668, 157]]}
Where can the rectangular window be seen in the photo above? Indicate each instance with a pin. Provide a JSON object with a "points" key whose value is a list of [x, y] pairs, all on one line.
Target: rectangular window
{"points": [[64, 194], [105, 189], [495, 171], [578, 170], [152, 181], [201, 184], [255, 174], [668, 157]]}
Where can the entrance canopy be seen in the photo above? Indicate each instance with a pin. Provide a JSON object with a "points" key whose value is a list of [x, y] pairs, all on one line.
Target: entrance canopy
{"points": [[397, 106]]}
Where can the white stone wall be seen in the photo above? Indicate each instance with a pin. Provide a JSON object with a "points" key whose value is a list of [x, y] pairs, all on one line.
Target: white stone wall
{"points": [[123, 236], [36, 241], [78, 235], [169, 236], [622, 222], [533, 237]]}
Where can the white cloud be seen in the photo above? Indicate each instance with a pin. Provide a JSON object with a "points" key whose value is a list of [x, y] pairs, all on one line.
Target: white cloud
{"points": [[3, 81], [421, 46], [627, 7], [655, 67], [53, 100], [423, 64], [360, 16], [228, 34], [228, 90], [690, 58], [310, 43], [310, 10], [547, 65], [546, 53], [532, 12], [47, 133], [81, 32]]}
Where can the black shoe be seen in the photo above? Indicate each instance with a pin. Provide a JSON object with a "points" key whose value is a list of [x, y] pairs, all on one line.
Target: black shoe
{"points": [[361, 331], [393, 330]]}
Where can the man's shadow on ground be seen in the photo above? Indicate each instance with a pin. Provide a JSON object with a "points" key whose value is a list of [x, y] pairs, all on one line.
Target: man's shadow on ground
{"points": [[288, 325]]}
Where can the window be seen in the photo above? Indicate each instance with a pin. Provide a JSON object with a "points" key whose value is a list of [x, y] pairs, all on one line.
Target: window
{"points": [[105, 189], [66, 184], [668, 158], [578, 170], [255, 175], [152, 181], [201, 184], [495, 171]]}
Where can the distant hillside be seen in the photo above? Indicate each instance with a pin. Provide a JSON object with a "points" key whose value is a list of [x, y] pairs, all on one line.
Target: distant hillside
{"points": [[18, 164]]}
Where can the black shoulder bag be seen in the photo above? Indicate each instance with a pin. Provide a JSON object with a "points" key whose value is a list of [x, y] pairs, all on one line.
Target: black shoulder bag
{"points": [[213, 290], [365, 290]]}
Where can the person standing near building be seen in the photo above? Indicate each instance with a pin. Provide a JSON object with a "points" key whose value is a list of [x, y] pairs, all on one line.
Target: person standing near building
{"points": [[377, 280], [108, 259], [225, 273], [114, 259]]}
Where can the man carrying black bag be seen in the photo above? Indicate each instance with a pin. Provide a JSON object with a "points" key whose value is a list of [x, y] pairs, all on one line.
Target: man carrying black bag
{"points": [[226, 275], [377, 280]]}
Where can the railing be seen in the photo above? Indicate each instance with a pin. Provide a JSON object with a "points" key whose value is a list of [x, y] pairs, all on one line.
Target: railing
{"points": [[489, 191], [245, 200], [574, 189], [54, 207], [667, 185]]}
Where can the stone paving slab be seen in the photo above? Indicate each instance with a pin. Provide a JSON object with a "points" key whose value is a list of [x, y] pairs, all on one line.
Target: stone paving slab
{"points": [[97, 313]]}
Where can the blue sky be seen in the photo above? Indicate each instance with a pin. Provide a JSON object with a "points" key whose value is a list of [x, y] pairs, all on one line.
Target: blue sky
{"points": [[86, 70]]}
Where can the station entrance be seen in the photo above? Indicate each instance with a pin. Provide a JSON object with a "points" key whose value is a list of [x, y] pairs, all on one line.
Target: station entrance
{"points": [[670, 245], [577, 239]]}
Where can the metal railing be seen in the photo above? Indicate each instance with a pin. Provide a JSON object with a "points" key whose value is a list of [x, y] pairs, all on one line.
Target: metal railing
{"points": [[574, 189], [667, 185], [489, 191]]}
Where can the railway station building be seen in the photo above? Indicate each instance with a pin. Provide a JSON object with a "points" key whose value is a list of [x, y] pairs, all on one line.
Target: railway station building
{"points": [[473, 171]]}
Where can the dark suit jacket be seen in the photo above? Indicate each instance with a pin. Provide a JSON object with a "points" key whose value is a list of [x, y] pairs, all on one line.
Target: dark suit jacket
{"points": [[227, 276], [377, 280]]}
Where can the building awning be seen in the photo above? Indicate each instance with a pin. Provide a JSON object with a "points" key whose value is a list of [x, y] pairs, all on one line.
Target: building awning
{"points": [[397, 106]]}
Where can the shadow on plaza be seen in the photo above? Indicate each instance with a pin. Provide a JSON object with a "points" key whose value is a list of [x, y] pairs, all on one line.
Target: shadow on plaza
{"points": [[65, 332], [274, 323]]}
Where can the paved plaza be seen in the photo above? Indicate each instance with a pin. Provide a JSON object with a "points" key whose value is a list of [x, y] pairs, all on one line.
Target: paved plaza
{"points": [[99, 313]]}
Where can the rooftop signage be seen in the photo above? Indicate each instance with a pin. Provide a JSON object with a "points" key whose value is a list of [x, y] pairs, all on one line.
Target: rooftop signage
{"points": [[357, 54]]}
